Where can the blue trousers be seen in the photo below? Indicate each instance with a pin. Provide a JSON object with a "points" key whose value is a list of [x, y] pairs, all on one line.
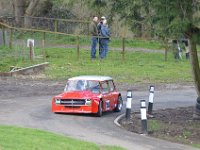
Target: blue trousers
{"points": [[93, 46], [104, 51], [100, 47]]}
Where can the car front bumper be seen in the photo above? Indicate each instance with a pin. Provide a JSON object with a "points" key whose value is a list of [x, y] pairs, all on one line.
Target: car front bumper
{"points": [[93, 108]]}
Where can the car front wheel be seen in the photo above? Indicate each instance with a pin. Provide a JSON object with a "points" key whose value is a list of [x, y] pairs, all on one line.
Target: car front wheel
{"points": [[100, 110]]}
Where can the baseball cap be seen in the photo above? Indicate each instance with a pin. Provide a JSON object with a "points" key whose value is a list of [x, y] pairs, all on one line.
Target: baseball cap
{"points": [[103, 17]]}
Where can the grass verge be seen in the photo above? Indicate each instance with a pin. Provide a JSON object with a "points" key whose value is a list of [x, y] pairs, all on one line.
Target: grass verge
{"points": [[15, 138], [136, 67]]}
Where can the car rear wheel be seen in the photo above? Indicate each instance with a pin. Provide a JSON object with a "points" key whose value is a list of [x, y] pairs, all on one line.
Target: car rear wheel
{"points": [[198, 106], [100, 110], [119, 104], [198, 100]]}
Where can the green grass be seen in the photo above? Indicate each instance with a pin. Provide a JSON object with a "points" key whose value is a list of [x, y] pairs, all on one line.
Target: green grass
{"points": [[196, 145], [18, 57], [14, 138], [136, 43], [136, 67], [154, 125]]}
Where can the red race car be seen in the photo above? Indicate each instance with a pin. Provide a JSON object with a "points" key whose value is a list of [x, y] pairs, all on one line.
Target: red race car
{"points": [[88, 94]]}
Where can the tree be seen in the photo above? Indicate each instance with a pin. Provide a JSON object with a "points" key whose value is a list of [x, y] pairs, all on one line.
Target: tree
{"points": [[18, 11], [168, 19], [29, 12], [94, 7], [134, 12], [98, 6], [23, 10]]}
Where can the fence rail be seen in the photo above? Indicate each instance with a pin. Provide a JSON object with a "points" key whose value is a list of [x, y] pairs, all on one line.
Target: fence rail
{"points": [[56, 37], [49, 24], [67, 26], [13, 36]]}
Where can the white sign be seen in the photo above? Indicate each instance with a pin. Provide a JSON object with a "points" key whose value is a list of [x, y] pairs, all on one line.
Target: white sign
{"points": [[30, 41], [143, 112], [128, 103], [143, 104], [151, 95]]}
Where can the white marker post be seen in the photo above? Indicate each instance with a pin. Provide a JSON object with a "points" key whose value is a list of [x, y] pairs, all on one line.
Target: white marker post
{"points": [[143, 112], [30, 44], [128, 104], [151, 96]]}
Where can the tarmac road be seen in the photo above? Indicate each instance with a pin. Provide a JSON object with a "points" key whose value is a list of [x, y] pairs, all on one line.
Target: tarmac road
{"points": [[35, 112]]}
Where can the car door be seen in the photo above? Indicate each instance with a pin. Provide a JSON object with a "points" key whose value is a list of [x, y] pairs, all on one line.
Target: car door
{"points": [[112, 95], [106, 96]]}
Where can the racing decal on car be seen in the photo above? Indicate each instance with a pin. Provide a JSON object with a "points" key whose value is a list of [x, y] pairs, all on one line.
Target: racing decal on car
{"points": [[107, 104]]}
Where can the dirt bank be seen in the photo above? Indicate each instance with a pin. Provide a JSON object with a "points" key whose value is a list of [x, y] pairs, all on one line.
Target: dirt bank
{"points": [[175, 125]]}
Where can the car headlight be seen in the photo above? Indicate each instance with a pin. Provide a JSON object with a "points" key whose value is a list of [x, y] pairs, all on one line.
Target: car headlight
{"points": [[88, 102], [57, 101]]}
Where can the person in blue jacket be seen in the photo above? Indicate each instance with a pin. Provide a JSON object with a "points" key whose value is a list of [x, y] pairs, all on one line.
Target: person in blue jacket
{"points": [[99, 32], [105, 35]]}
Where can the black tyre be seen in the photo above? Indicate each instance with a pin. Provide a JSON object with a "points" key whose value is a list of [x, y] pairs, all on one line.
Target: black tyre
{"points": [[100, 110], [119, 104], [198, 100], [198, 106], [197, 111]]}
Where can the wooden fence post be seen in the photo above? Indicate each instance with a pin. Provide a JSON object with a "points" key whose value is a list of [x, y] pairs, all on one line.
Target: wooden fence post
{"points": [[166, 53], [31, 51], [43, 46], [123, 48], [4, 36], [56, 26], [11, 38], [78, 47], [166, 48]]}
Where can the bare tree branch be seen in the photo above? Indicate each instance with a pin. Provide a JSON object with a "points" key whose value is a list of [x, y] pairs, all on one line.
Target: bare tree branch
{"points": [[31, 7]]}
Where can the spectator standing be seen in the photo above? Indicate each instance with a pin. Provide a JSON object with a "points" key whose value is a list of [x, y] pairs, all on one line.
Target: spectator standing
{"points": [[187, 53], [94, 32], [105, 35], [99, 32], [177, 50]]}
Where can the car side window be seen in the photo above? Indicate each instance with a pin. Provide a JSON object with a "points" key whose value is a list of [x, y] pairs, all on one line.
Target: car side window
{"points": [[111, 86], [105, 88]]}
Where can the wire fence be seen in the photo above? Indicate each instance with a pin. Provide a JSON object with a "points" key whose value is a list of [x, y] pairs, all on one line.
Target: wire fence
{"points": [[67, 26], [76, 27], [50, 33], [18, 37], [68, 51]]}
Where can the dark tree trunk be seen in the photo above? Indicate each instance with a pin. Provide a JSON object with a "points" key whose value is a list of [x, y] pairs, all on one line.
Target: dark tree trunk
{"points": [[195, 63], [29, 12], [19, 11]]}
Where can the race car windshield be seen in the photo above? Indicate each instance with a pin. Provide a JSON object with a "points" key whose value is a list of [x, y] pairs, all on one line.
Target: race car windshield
{"points": [[82, 85]]}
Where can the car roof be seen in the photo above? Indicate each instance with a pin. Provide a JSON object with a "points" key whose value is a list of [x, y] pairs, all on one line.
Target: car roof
{"points": [[91, 77]]}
